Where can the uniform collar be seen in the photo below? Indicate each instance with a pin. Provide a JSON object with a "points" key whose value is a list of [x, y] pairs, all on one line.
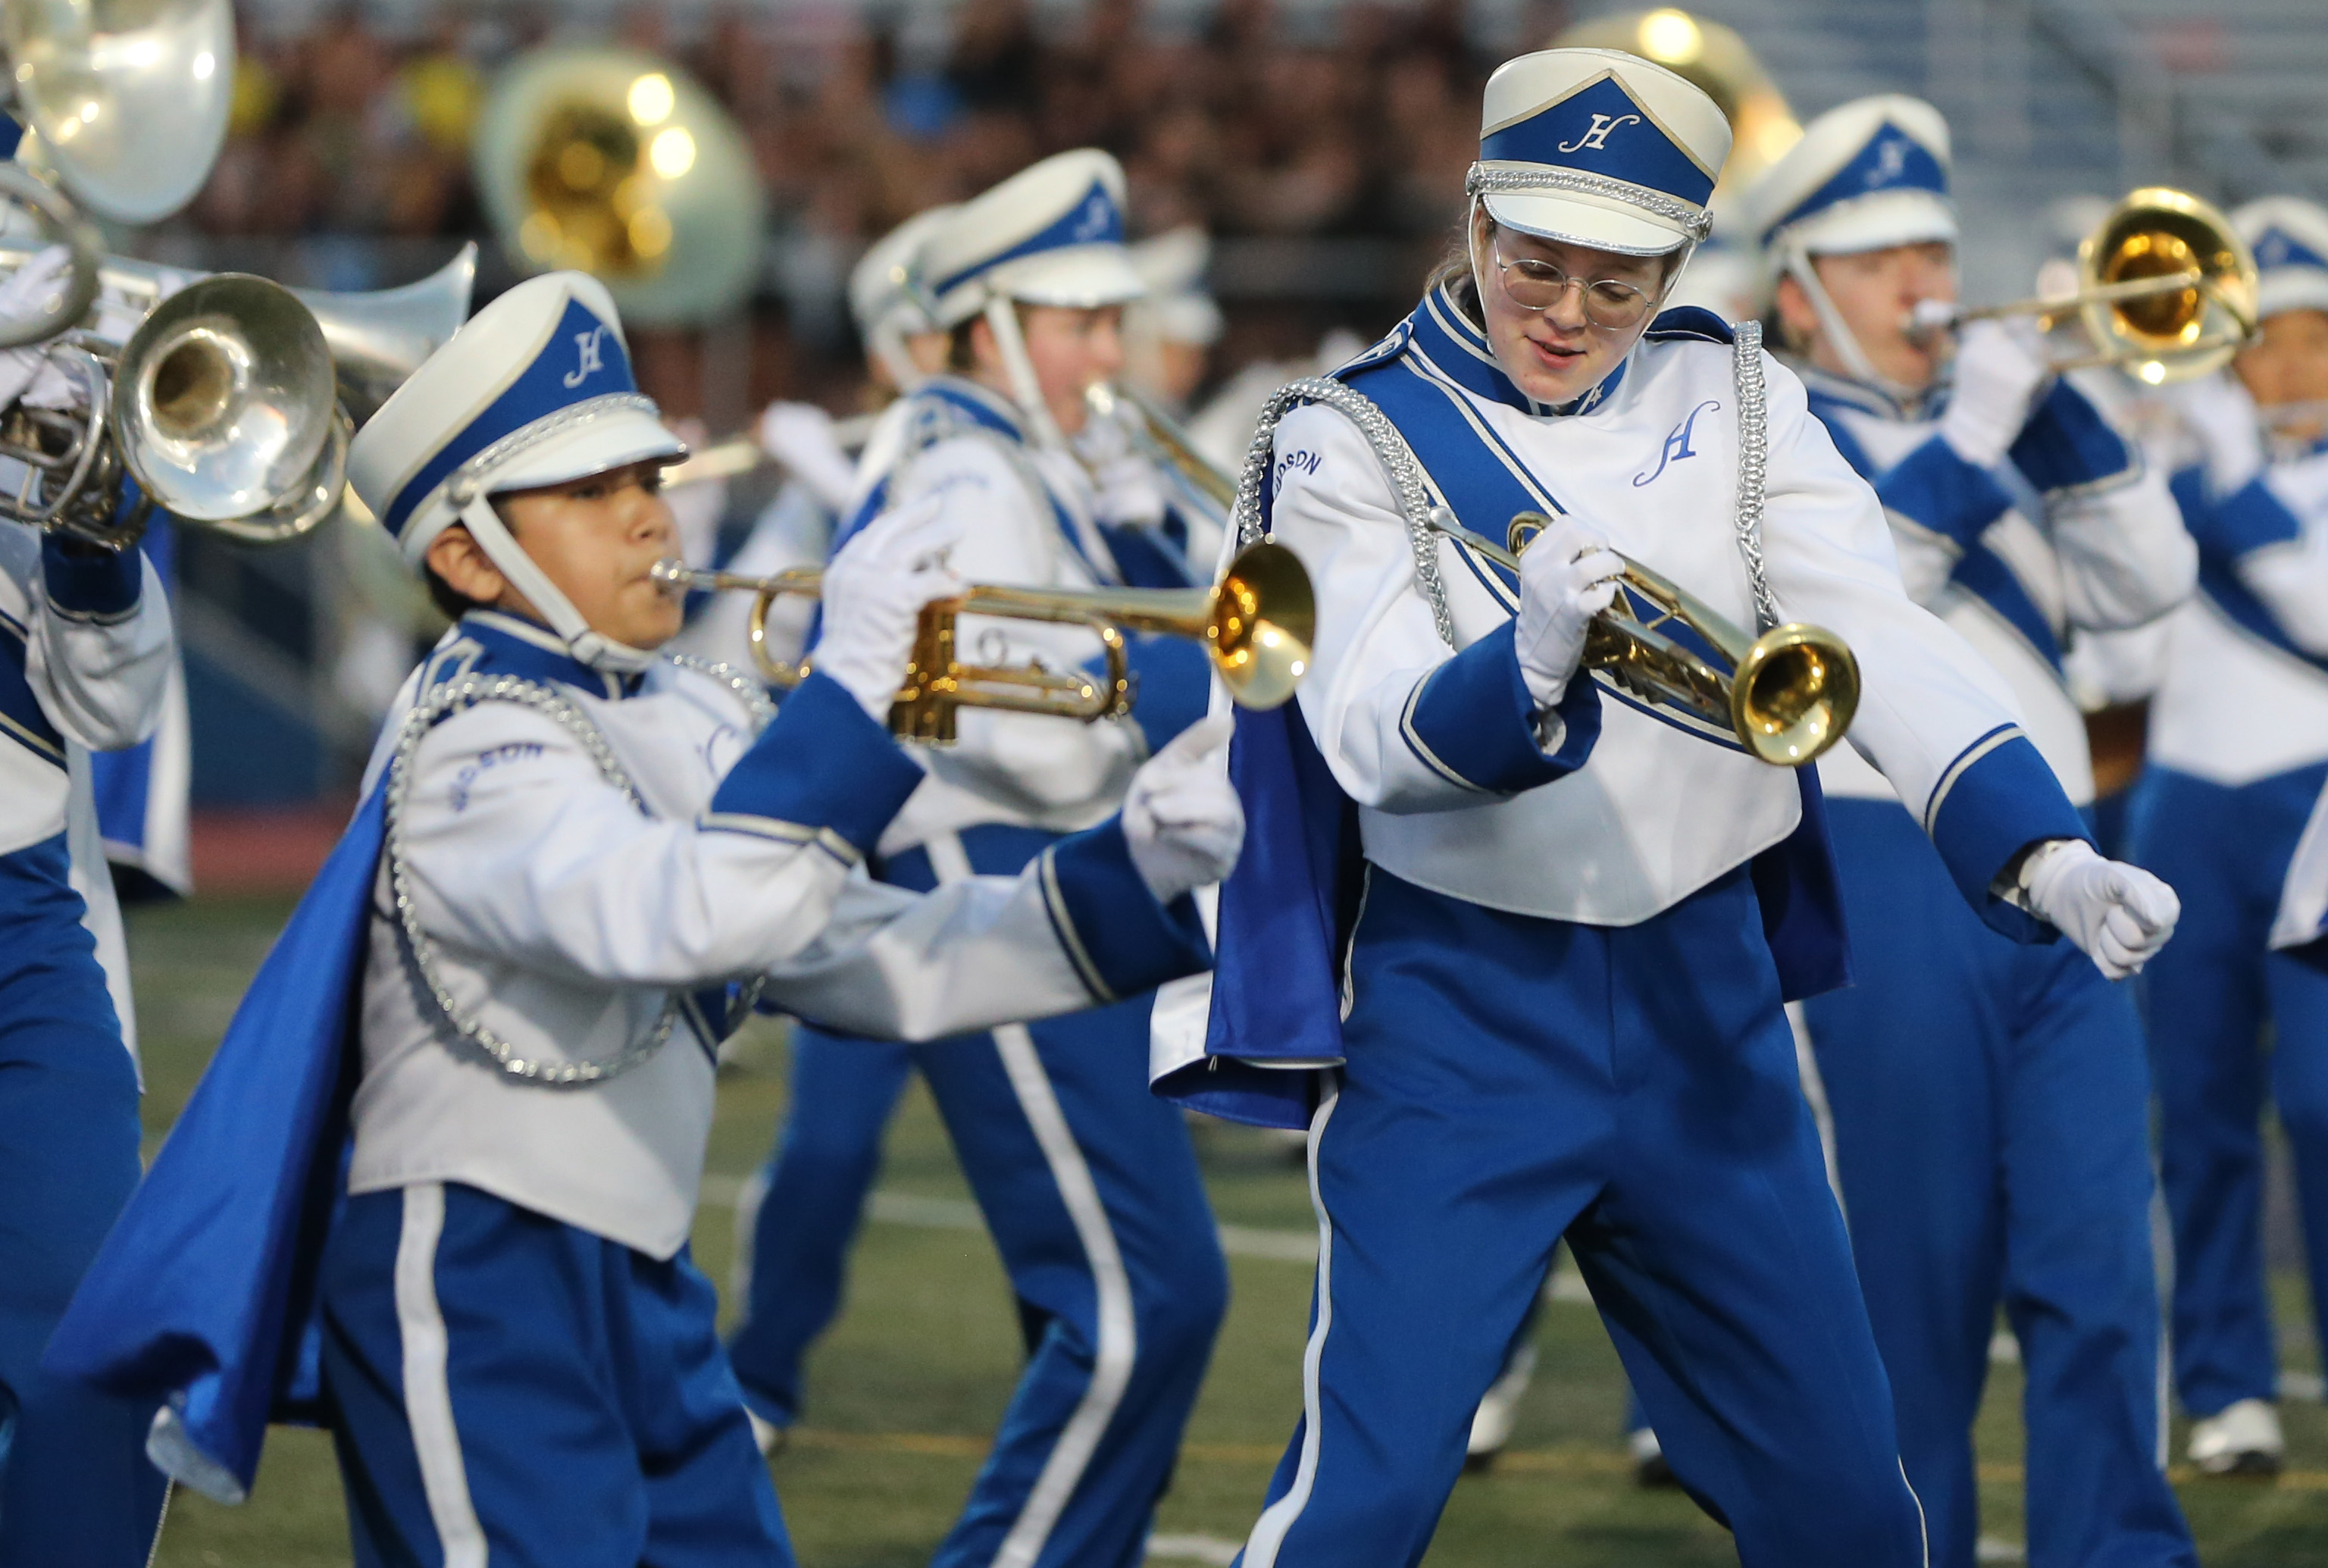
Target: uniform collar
{"points": [[513, 645], [967, 400], [1452, 341], [1826, 386]]}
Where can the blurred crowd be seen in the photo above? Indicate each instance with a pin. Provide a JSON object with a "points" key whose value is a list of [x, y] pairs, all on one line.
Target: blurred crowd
{"points": [[1244, 124]]}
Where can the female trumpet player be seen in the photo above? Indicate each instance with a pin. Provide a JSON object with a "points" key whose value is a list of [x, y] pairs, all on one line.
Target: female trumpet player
{"points": [[1990, 1100], [576, 865], [86, 652], [1088, 1184], [2238, 751], [1538, 936]]}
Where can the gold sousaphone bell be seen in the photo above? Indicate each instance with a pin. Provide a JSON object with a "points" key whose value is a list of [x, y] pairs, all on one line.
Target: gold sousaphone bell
{"points": [[1787, 696], [1256, 625]]}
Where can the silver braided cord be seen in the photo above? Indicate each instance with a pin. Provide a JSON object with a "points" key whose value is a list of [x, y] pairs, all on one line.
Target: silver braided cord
{"points": [[1694, 221], [746, 689], [456, 696], [1398, 460], [1753, 466]]}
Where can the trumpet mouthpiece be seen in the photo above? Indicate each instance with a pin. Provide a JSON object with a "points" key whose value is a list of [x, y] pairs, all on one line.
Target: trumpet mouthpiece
{"points": [[1931, 317], [673, 576]]}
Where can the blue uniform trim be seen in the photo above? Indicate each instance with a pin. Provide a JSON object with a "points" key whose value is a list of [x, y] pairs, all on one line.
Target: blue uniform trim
{"points": [[1997, 798], [1984, 572], [1826, 407], [2066, 443], [1892, 159], [2277, 247], [93, 584], [581, 358], [1094, 220], [1122, 941], [1472, 721], [1604, 130], [2248, 519], [1692, 323], [23, 720], [824, 764], [1147, 557], [1942, 494], [12, 135], [1452, 344]]}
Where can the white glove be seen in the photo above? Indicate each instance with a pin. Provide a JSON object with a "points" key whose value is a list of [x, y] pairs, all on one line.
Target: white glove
{"points": [[2221, 417], [1181, 817], [1567, 576], [799, 436], [1126, 489], [27, 292], [2119, 915], [874, 591], [2000, 369]]}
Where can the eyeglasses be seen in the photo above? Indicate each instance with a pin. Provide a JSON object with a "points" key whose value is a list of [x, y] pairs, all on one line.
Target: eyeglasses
{"points": [[1538, 285]]}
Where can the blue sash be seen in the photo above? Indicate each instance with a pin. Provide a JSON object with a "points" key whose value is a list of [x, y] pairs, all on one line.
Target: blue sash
{"points": [[1291, 906]]}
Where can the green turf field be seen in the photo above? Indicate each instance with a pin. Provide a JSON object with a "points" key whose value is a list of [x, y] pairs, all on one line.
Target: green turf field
{"points": [[919, 1369]]}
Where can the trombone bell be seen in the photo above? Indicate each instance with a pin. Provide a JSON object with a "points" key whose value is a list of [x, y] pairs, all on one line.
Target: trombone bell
{"points": [[2171, 332]]}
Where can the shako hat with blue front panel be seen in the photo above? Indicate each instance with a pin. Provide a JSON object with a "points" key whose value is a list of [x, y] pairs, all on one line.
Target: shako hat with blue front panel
{"points": [[1050, 234], [1866, 175], [536, 389], [1598, 147], [2289, 237]]}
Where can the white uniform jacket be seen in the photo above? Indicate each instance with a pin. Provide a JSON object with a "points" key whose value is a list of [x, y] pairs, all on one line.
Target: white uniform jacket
{"points": [[565, 917], [1028, 521], [2073, 532], [1460, 788], [85, 663], [2243, 694]]}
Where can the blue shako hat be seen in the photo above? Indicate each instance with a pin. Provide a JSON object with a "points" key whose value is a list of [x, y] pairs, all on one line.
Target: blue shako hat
{"points": [[2289, 237]]}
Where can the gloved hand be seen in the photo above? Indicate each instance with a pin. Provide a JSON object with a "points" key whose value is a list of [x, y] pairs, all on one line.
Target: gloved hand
{"points": [[874, 591], [2119, 916], [24, 293], [1181, 817], [799, 436], [2221, 419], [1126, 489], [2000, 369], [1567, 576]]}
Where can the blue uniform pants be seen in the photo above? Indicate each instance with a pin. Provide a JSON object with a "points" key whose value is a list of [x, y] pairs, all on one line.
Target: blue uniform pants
{"points": [[503, 1388], [1509, 1080], [2211, 993], [76, 1490], [1991, 1130], [1090, 1188]]}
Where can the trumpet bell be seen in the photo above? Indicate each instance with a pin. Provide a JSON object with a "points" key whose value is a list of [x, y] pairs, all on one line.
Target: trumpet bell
{"points": [[224, 399], [1794, 693], [128, 98], [621, 165], [2168, 334], [1261, 624]]}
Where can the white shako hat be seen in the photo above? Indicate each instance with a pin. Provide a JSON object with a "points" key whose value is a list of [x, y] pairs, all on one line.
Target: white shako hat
{"points": [[1866, 175], [886, 296], [1050, 234], [1173, 267], [1598, 147], [2289, 237], [535, 389]]}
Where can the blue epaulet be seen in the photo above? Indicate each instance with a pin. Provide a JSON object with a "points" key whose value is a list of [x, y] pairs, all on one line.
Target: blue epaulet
{"points": [[1689, 321], [1374, 358]]}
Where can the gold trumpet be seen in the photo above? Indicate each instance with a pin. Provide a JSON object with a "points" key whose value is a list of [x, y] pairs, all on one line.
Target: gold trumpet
{"points": [[1166, 445], [2166, 291], [1256, 625], [1789, 694]]}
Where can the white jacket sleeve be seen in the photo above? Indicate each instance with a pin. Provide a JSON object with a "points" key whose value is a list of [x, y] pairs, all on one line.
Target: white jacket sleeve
{"points": [[2125, 558], [99, 645]]}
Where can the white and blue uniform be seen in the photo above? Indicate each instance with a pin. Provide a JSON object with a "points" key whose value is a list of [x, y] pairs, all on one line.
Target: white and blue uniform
{"points": [[568, 877], [1990, 1100], [2238, 756], [1523, 972], [85, 656]]}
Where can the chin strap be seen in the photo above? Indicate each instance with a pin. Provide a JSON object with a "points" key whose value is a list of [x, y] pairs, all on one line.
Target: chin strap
{"points": [[595, 649], [1839, 335], [887, 345], [1002, 319]]}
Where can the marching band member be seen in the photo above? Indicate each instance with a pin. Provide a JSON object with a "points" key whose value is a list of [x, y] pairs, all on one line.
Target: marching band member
{"points": [[1990, 1101], [86, 656], [575, 854], [799, 1215], [1538, 936], [1089, 1184], [2238, 751]]}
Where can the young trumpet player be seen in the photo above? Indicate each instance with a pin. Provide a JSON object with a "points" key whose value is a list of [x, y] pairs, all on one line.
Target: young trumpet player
{"points": [[86, 652], [1514, 943], [1088, 1184], [2238, 754], [576, 865], [1989, 1100]]}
